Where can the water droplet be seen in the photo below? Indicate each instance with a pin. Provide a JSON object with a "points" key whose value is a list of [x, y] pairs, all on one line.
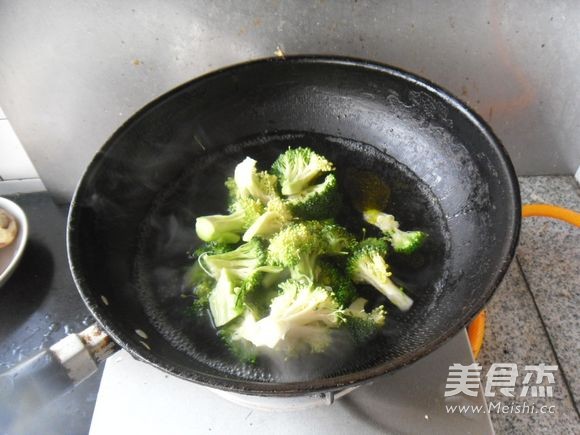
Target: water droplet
{"points": [[88, 320], [53, 327], [141, 333]]}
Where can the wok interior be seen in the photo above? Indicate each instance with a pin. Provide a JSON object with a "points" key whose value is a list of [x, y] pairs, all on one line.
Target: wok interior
{"points": [[132, 220]]}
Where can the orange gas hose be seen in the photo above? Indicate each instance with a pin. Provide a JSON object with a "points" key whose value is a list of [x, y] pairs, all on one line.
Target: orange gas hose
{"points": [[476, 328], [475, 332], [552, 211]]}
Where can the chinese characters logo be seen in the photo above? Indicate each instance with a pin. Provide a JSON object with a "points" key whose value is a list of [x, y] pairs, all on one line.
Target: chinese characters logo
{"points": [[538, 380]]}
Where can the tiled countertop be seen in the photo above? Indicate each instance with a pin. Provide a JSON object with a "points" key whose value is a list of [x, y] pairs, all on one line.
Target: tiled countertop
{"points": [[534, 316]]}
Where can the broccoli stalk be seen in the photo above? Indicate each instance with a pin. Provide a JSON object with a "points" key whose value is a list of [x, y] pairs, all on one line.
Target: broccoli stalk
{"points": [[297, 168], [320, 201], [228, 228], [361, 324], [242, 263], [367, 265], [249, 181], [404, 242], [300, 317], [222, 228], [223, 300]]}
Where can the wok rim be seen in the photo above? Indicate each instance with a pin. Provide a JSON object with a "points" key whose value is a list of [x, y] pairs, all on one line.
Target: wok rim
{"points": [[125, 338]]}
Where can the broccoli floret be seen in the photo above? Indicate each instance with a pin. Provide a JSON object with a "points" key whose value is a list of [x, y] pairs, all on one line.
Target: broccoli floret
{"points": [[338, 240], [202, 285], [297, 168], [297, 238], [330, 277], [404, 242], [228, 228], [320, 201], [245, 267], [367, 265], [249, 181], [276, 216], [361, 324], [241, 263], [298, 247], [233, 192], [243, 350], [223, 300], [300, 318]]}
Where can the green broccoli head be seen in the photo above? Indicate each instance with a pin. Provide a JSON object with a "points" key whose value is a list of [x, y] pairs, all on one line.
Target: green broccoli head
{"points": [[277, 215], [249, 182], [338, 240], [297, 247], [295, 240], [320, 201], [297, 168], [228, 228], [300, 318], [367, 265], [361, 324], [333, 279], [404, 242]]}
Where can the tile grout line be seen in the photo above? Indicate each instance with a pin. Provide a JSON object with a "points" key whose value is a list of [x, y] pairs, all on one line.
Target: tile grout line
{"points": [[566, 383]]}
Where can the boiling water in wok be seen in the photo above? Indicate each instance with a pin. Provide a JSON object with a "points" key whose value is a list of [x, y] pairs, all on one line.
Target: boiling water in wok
{"points": [[167, 235]]}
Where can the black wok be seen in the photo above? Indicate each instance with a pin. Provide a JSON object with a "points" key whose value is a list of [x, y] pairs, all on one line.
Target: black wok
{"points": [[131, 220]]}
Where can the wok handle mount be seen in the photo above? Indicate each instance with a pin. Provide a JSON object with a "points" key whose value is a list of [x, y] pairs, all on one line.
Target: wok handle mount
{"points": [[32, 383]]}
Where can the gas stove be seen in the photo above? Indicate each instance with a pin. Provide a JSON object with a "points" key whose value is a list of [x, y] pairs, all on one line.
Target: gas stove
{"points": [[137, 398]]}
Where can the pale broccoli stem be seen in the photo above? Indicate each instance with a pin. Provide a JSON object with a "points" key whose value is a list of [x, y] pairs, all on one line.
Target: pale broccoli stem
{"points": [[367, 265], [223, 300], [269, 223], [221, 228], [249, 181], [387, 287]]}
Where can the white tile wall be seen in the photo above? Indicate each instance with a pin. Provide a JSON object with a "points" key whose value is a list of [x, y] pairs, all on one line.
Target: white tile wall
{"points": [[14, 162]]}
